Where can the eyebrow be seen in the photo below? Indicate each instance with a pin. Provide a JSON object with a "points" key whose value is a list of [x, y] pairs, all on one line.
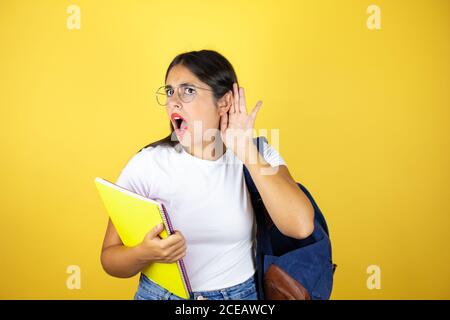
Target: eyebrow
{"points": [[182, 84]]}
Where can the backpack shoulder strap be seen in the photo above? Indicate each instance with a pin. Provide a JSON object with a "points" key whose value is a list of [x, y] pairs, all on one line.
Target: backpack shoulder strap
{"points": [[263, 245], [259, 141]]}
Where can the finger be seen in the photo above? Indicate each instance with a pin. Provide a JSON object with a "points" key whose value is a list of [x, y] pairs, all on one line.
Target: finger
{"points": [[236, 98], [173, 240], [175, 246], [224, 122], [255, 110], [242, 107], [178, 252], [178, 257], [232, 101], [155, 231]]}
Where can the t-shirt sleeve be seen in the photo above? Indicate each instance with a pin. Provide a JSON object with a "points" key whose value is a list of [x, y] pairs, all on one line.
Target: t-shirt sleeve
{"points": [[272, 156], [132, 177]]}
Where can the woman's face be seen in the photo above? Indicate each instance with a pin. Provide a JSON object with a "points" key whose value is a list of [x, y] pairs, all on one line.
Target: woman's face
{"points": [[200, 117]]}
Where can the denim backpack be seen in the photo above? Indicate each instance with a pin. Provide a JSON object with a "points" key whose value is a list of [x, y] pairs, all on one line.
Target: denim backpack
{"points": [[307, 260]]}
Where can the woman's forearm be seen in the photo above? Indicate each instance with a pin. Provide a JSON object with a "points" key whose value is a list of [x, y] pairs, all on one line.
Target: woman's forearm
{"points": [[123, 262], [287, 205]]}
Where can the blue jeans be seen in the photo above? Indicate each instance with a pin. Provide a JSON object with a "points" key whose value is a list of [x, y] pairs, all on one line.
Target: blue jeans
{"points": [[149, 290]]}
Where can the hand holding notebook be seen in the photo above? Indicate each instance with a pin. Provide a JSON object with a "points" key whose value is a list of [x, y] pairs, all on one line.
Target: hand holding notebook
{"points": [[163, 250], [133, 216]]}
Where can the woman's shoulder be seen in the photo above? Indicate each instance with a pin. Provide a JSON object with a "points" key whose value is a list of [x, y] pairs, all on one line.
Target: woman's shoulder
{"points": [[154, 155], [159, 150], [141, 166], [143, 156]]}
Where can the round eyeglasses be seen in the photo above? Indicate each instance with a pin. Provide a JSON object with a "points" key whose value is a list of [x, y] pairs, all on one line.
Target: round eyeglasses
{"points": [[186, 93]]}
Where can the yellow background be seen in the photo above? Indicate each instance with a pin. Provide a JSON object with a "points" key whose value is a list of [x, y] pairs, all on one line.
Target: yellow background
{"points": [[363, 118]]}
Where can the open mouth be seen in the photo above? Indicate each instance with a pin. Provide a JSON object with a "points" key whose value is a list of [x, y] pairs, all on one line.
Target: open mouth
{"points": [[179, 122]]}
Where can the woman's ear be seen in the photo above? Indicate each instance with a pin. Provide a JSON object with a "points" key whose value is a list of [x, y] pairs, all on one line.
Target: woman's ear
{"points": [[225, 102]]}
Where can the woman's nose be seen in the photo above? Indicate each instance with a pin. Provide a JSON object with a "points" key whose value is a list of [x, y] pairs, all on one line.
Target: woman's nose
{"points": [[175, 102], [174, 106]]}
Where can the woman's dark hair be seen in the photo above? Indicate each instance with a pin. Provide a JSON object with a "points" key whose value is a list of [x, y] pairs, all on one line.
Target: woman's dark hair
{"points": [[209, 67]]}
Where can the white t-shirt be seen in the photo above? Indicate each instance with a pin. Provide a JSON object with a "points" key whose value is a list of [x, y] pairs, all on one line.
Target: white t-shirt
{"points": [[208, 202]]}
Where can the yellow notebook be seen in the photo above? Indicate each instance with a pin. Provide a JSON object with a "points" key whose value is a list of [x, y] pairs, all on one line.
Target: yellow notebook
{"points": [[133, 217]]}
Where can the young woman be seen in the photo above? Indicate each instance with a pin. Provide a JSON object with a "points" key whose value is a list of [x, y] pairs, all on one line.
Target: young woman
{"points": [[197, 173]]}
